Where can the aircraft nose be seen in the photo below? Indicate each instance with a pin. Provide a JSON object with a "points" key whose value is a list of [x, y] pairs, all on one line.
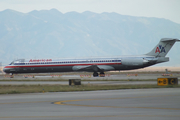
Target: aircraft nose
{"points": [[5, 69]]}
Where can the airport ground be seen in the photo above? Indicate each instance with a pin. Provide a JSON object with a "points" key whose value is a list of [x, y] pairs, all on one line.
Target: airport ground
{"points": [[127, 104], [111, 78], [148, 104]]}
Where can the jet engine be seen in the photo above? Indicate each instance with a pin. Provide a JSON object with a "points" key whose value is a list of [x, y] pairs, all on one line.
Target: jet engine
{"points": [[134, 61]]}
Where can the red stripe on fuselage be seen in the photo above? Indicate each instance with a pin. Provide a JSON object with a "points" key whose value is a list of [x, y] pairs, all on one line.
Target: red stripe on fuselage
{"points": [[57, 65]]}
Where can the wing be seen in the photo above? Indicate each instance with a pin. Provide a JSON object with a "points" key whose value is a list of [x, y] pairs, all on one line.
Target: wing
{"points": [[93, 68]]}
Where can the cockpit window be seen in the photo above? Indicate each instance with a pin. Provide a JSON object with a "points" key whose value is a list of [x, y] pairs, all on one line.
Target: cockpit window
{"points": [[17, 61], [12, 63]]}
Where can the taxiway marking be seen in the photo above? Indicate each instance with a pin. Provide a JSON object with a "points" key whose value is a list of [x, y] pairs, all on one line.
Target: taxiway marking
{"points": [[66, 102]]}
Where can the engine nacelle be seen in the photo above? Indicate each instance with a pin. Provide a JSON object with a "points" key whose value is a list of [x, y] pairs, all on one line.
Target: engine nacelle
{"points": [[134, 61]]}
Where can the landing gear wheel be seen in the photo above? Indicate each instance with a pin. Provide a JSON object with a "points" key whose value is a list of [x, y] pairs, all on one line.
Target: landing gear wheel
{"points": [[102, 74], [11, 74], [95, 74]]}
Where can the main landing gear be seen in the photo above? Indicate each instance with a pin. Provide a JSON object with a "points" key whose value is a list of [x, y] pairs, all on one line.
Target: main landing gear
{"points": [[102, 74], [95, 74]]}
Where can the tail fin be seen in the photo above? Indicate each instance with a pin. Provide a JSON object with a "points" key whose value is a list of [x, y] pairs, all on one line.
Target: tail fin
{"points": [[163, 47]]}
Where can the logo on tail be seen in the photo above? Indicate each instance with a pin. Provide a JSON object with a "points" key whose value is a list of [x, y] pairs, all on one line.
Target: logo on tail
{"points": [[160, 49]]}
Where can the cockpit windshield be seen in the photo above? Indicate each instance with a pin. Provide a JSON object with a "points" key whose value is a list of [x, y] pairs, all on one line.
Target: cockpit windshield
{"points": [[17, 61], [12, 63]]}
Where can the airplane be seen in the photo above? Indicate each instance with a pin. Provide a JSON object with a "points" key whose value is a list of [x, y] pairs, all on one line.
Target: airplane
{"points": [[95, 65]]}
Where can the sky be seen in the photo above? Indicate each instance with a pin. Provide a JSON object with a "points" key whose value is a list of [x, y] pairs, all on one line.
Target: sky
{"points": [[168, 9]]}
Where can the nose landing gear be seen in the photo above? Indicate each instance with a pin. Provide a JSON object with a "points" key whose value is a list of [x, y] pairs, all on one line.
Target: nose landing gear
{"points": [[11, 74]]}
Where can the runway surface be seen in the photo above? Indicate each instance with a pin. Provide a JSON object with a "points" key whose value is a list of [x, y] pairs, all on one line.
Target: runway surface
{"points": [[128, 79], [146, 104], [82, 82], [86, 77], [120, 76]]}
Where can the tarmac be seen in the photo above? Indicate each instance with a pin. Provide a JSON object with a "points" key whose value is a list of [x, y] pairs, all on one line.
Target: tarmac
{"points": [[60, 79], [146, 104], [82, 82]]}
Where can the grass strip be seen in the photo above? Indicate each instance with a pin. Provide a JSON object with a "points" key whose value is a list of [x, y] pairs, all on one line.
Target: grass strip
{"points": [[17, 89]]}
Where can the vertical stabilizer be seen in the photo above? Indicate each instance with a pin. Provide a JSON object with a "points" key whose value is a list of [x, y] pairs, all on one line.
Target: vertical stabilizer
{"points": [[163, 47]]}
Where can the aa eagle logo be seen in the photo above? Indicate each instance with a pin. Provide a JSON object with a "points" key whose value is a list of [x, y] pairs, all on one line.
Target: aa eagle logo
{"points": [[160, 49]]}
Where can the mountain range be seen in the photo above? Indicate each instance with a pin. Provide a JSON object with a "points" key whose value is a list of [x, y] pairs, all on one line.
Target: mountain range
{"points": [[52, 34]]}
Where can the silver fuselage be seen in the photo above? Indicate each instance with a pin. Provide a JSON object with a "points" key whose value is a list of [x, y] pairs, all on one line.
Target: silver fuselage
{"points": [[156, 55], [85, 64]]}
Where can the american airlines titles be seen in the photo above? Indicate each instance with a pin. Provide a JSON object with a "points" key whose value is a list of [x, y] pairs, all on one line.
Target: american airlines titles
{"points": [[40, 60]]}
